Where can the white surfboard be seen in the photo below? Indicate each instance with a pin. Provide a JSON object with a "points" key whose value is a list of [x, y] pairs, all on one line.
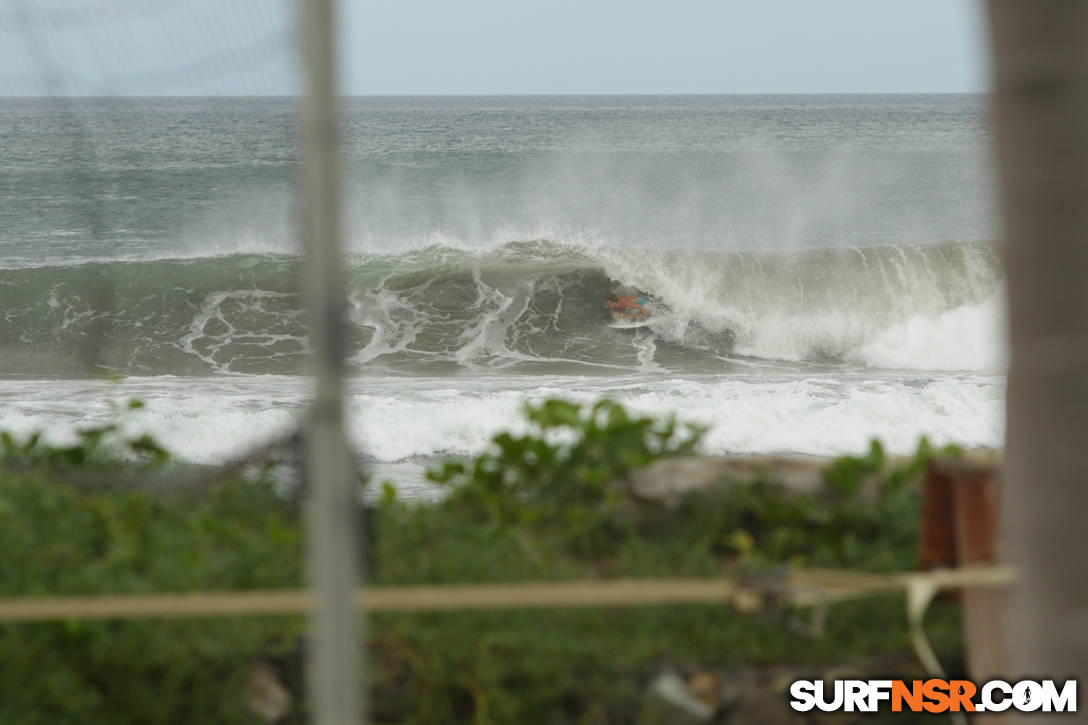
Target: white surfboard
{"points": [[635, 324], [628, 324]]}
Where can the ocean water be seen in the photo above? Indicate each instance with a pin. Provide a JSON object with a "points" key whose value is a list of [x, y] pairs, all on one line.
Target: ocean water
{"points": [[828, 263]]}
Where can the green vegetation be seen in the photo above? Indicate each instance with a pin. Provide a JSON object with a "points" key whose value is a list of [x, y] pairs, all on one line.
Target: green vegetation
{"points": [[539, 506], [101, 446], [554, 481]]}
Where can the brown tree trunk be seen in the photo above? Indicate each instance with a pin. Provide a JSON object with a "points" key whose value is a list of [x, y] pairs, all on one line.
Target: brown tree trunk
{"points": [[1040, 54]]}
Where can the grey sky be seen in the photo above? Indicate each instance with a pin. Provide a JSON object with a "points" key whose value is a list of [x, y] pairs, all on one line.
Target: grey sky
{"points": [[499, 46]]}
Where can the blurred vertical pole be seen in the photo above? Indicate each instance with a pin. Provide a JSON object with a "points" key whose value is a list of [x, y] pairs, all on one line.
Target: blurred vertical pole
{"points": [[333, 682], [1040, 54]]}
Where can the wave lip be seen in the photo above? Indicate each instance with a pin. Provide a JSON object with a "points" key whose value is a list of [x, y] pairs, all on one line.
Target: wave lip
{"points": [[524, 306]]}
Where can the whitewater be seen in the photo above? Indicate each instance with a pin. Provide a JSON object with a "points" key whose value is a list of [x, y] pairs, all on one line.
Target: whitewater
{"points": [[826, 262]]}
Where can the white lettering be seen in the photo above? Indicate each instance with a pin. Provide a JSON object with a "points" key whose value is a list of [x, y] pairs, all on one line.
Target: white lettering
{"points": [[803, 694], [1064, 701], [835, 703], [879, 690], [1027, 696], [993, 696], [988, 700], [855, 696]]}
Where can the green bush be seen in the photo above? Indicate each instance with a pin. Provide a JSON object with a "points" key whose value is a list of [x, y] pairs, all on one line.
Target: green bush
{"points": [[507, 518], [557, 475], [59, 535], [866, 518], [537, 506]]}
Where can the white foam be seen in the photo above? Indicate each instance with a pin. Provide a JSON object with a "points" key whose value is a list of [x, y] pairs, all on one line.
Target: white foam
{"points": [[204, 420], [823, 415], [452, 422], [971, 337], [211, 419]]}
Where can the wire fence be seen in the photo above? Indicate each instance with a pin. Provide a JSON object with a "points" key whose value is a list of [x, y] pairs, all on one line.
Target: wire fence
{"points": [[68, 51]]}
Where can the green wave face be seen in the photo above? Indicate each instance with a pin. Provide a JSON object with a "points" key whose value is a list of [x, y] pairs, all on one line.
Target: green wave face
{"points": [[526, 306]]}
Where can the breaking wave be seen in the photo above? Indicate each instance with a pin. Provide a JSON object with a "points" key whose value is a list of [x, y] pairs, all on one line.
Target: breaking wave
{"points": [[524, 306]]}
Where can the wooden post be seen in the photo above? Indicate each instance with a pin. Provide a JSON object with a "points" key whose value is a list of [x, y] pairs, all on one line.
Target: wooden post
{"points": [[960, 509], [332, 667], [1040, 63]]}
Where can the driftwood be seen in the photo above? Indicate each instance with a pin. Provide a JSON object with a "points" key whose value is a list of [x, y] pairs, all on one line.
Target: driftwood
{"points": [[670, 480]]}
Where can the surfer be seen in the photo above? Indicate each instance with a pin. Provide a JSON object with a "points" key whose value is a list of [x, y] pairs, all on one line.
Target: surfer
{"points": [[627, 307]]}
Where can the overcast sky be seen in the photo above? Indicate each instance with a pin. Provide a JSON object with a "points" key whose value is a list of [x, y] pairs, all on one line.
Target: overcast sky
{"points": [[198, 47]]}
